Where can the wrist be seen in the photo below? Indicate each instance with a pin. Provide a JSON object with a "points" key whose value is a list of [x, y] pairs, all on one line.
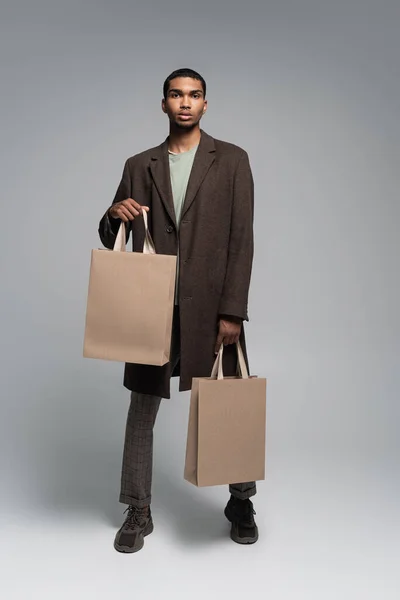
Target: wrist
{"points": [[111, 216], [232, 319]]}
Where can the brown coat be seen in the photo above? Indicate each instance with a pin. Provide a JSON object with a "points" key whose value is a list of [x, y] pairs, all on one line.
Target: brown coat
{"points": [[216, 250]]}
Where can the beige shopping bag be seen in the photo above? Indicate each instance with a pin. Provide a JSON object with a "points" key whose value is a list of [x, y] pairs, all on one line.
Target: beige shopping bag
{"points": [[130, 303], [227, 427]]}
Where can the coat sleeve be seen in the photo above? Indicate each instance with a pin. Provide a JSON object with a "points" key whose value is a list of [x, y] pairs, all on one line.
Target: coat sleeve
{"points": [[108, 226], [234, 299]]}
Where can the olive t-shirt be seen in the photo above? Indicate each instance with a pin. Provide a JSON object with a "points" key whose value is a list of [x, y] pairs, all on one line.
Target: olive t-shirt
{"points": [[180, 166]]}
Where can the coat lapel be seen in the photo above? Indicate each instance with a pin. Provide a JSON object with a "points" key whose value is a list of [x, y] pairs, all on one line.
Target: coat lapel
{"points": [[159, 167], [203, 160]]}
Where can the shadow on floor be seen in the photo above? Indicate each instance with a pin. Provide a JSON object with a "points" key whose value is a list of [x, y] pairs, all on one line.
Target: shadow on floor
{"points": [[193, 516]]}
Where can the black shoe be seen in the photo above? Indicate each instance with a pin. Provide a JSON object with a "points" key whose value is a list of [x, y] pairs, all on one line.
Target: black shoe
{"points": [[138, 524], [241, 514]]}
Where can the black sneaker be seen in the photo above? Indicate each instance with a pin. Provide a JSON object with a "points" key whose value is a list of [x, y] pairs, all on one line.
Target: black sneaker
{"points": [[240, 513], [138, 524]]}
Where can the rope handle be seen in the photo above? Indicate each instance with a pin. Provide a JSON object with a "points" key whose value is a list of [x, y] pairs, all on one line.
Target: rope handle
{"points": [[217, 371], [120, 240]]}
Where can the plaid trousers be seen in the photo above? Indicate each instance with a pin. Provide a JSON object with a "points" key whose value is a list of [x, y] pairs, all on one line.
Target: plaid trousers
{"points": [[137, 462]]}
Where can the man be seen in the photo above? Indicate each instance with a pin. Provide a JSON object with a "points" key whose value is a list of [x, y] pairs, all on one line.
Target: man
{"points": [[198, 192]]}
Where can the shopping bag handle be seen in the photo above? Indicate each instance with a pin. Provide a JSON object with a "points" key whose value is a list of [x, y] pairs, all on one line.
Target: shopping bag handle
{"points": [[120, 240], [217, 371]]}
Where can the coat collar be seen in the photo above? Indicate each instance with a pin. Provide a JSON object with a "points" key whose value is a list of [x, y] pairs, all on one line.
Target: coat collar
{"points": [[159, 166]]}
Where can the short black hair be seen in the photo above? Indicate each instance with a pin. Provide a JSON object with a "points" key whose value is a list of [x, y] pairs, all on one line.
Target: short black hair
{"points": [[183, 73]]}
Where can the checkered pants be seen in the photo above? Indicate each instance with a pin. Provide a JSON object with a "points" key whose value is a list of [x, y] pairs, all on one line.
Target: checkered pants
{"points": [[137, 463]]}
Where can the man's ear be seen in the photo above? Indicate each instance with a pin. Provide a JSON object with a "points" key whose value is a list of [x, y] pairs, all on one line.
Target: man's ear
{"points": [[163, 108]]}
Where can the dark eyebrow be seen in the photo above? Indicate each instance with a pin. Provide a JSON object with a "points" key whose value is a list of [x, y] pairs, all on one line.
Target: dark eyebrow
{"points": [[176, 91]]}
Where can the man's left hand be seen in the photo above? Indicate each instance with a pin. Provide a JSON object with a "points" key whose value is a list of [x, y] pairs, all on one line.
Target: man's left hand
{"points": [[229, 332]]}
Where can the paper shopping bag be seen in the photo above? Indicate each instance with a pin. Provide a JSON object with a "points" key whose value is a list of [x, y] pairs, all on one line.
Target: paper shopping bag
{"points": [[130, 303], [227, 427]]}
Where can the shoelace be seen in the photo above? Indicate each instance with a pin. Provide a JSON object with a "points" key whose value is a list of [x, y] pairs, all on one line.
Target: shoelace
{"points": [[134, 516], [245, 513], [248, 516]]}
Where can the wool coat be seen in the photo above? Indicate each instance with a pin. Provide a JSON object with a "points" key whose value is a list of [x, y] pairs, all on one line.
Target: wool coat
{"points": [[215, 237]]}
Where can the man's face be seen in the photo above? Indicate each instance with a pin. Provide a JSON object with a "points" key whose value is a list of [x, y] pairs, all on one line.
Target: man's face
{"points": [[185, 103]]}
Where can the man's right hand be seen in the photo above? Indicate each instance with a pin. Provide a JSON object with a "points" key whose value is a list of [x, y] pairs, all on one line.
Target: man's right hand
{"points": [[126, 210]]}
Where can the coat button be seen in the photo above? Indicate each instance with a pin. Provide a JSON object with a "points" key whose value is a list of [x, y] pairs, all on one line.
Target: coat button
{"points": [[169, 229]]}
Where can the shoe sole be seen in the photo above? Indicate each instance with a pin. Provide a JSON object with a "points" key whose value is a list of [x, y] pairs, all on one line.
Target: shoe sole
{"points": [[139, 545], [240, 540]]}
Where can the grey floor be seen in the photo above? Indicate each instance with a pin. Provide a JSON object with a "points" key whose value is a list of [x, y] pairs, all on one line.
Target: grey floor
{"points": [[329, 528]]}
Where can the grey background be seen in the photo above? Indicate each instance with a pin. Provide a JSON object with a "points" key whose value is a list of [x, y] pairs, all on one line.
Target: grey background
{"points": [[311, 89]]}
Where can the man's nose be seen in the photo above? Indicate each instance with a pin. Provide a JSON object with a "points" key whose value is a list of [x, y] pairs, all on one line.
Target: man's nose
{"points": [[185, 102]]}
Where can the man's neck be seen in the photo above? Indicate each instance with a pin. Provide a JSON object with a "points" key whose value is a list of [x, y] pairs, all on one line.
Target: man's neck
{"points": [[181, 141]]}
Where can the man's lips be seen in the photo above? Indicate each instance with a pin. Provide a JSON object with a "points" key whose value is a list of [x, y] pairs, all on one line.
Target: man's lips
{"points": [[184, 115]]}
